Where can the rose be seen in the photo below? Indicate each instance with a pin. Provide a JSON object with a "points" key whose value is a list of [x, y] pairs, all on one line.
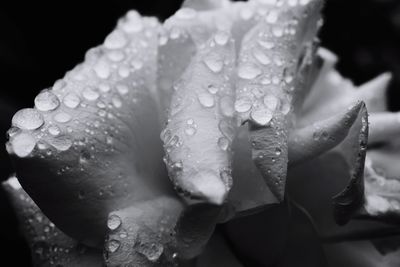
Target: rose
{"points": [[203, 177]]}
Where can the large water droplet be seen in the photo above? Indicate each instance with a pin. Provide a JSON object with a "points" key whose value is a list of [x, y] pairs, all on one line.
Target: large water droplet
{"points": [[115, 40], [62, 143], [27, 119], [122, 89], [266, 44], [116, 55], [272, 17], [206, 100], [102, 70], [23, 144], [243, 104], [46, 101], [71, 100], [223, 143], [152, 251], [262, 116], [116, 101], [248, 71], [261, 57], [54, 130], [190, 130], [114, 221], [89, 94], [221, 38], [113, 245], [214, 62]]}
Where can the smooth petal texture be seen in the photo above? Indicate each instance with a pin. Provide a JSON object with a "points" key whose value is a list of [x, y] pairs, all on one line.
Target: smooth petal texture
{"points": [[143, 235], [332, 93], [385, 126], [200, 129], [95, 134], [48, 244], [311, 141], [270, 78], [205, 4], [327, 175]]}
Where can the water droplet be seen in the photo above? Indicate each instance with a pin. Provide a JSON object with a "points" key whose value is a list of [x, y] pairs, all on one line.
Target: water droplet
{"points": [[113, 245], [278, 151], [122, 89], [103, 87], [23, 144], [152, 252], [62, 143], [114, 221], [212, 89], [123, 71], [115, 40], [109, 140], [190, 130], [304, 2], [266, 44], [27, 119], [277, 31], [272, 17], [243, 104], [248, 71], [226, 178], [175, 33], [246, 13], [227, 106], [116, 101], [221, 38], [116, 55], [89, 94], [137, 64], [214, 62], [186, 13], [206, 100], [62, 117], [226, 128], [71, 100], [223, 143], [133, 22], [102, 70], [46, 101], [293, 2], [262, 116], [165, 136], [261, 57], [54, 130], [271, 102]]}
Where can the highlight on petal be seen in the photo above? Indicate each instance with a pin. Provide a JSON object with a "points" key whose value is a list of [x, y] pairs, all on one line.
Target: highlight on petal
{"points": [[384, 126], [201, 127], [95, 135], [204, 4], [49, 246], [273, 71], [311, 141], [382, 196]]}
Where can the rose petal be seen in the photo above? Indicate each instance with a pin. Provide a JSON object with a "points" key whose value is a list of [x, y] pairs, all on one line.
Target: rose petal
{"points": [[270, 82], [92, 145], [48, 244], [311, 141], [200, 128]]}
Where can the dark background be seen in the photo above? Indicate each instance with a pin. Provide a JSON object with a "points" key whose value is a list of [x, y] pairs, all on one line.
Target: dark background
{"points": [[40, 41]]}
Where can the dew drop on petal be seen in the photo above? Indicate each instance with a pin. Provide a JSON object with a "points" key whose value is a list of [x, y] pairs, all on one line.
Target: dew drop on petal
{"points": [[116, 101], [186, 13], [271, 102], [114, 221], [102, 70], [246, 13], [214, 62], [272, 17], [122, 89], [23, 144], [243, 104], [206, 100], [116, 55], [115, 40], [54, 130], [62, 143], [113, 245], [266, 44], [261, 57], [62, 117], [71, 100], [221, 38], [152, 251], [89, 94], [223, 143], [190, 130], [27, 119], [261, 116], [46, 101], [248, 71]]}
